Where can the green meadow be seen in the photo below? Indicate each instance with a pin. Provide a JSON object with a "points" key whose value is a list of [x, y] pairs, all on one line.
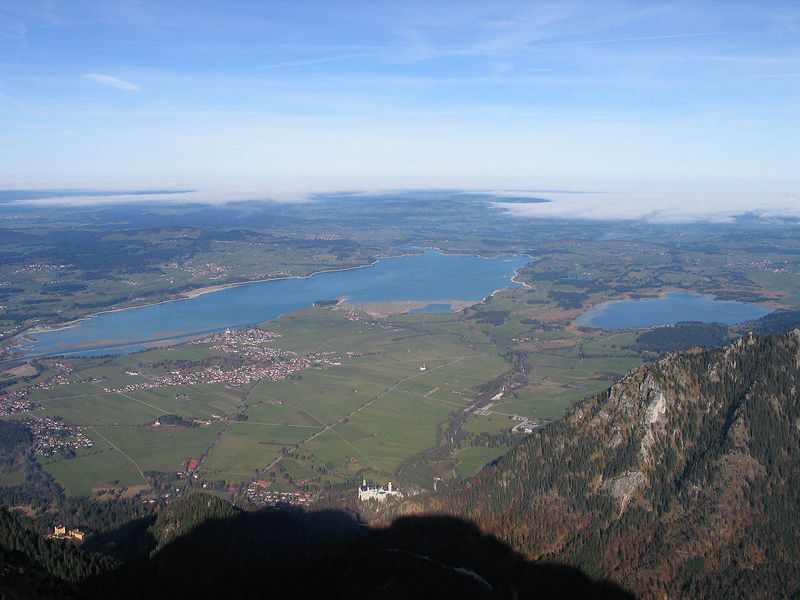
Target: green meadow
{"points": [[399, 382]]}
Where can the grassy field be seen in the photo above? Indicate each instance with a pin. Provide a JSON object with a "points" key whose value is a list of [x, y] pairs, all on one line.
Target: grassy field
{"points": [[326, 452], [119, 453], [287, 415], [473, 459], [101, 409], [192, 401], [379, 406], [161, 449], [104, 466], [398, 384], [242, 451]]}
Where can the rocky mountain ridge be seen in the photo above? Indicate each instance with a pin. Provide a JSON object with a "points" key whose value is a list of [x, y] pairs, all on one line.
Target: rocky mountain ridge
{"points": [[682, 480]]}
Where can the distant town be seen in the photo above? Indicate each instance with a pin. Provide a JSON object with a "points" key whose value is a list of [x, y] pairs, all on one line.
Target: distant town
{"points": [[258, 493], [52, 436]]}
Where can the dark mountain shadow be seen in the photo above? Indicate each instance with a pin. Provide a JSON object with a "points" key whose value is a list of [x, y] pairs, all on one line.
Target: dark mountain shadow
{"points": [[291, 554], [129, 541]]}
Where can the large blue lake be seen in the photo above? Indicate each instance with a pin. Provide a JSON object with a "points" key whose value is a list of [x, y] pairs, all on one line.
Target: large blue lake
{"points": [[429, 277], [673, 307]]}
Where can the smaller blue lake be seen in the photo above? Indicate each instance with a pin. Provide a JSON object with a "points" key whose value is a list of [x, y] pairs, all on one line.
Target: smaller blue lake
{"points": [[673, 307]]}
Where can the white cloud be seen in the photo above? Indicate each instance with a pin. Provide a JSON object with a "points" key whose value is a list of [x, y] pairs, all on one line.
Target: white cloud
{"points": [[663, 203], [112, 81]]}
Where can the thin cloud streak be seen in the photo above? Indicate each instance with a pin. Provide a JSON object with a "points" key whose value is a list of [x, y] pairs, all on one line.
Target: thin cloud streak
{"points": [[312, 61], [112, 81], [644, 38], [780, 76]]}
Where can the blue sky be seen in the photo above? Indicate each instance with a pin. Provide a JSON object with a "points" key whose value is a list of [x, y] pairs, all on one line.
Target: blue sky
{"points": [[284, 98]]}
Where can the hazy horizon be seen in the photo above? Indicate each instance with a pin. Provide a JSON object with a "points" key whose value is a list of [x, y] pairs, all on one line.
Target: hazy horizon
{"points": [[656, 202], [665, 111]]}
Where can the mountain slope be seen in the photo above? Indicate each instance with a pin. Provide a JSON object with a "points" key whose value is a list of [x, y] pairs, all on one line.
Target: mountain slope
{"points": [[683, 480]]}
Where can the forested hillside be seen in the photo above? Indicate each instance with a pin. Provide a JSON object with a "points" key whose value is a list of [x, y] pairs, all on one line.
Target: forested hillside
{"points": [[680, 481], [203, 547]]}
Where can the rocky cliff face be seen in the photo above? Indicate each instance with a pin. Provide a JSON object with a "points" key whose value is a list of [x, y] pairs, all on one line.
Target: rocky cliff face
{"points": [[682, 480]]}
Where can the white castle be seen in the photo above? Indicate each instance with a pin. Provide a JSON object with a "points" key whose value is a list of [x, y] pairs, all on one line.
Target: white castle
{"points": [[380, 494]]}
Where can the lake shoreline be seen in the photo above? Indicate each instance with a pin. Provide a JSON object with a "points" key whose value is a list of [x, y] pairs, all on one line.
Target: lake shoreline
{"points": [[210, 289], [25, 343], [195, 293], [587, 317]]}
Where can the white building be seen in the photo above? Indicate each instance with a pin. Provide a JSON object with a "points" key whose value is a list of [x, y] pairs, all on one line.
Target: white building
{"points": [[380, 494]]}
